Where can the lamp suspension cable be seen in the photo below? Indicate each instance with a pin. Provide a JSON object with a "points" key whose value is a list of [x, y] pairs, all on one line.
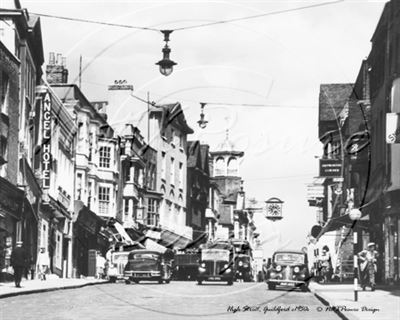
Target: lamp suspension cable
{"points": [[111, 24]]}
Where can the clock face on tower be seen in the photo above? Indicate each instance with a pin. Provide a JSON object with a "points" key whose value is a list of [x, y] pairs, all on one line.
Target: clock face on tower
{"points": [[273, 210]]}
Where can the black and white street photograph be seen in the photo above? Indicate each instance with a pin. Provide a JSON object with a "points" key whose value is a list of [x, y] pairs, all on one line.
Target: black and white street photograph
{"points": [[199, 159]]}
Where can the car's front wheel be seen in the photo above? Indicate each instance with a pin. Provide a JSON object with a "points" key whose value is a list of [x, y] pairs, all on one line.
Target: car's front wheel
{"points": [[199, 282], [271, 286], [304, 287], [113, 279]]}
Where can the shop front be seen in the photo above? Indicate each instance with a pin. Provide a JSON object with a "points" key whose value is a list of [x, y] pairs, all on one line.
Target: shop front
{"points": [[11, 199], [89, 233], [55, 221], [391, 227]]}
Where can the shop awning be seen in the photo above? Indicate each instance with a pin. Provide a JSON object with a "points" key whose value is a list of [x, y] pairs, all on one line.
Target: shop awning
{"points": [[152, 245], [172, 240], [123, 234], [344, 221]]}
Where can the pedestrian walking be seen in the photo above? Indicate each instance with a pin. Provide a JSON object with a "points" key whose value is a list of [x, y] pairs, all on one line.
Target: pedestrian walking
{"points": [[106, 268], [265, 267], [325, 265], [368, 268], [100, 262], [18, 262], [43, 263]]}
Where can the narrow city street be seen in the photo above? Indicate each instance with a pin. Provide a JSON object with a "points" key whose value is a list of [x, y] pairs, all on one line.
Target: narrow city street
{"points": [[185, 300]]}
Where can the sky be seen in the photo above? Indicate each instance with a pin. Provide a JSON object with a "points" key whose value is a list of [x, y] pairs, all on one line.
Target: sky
{"points": [[277, 60]]}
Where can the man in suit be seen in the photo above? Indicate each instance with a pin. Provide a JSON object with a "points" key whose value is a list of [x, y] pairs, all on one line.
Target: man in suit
{"points": [[368, 259], [18, 262]]}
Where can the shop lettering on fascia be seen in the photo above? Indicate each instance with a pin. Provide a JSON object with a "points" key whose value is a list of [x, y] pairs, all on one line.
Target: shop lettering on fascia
{"points": [[330, 168], [46, 146]]}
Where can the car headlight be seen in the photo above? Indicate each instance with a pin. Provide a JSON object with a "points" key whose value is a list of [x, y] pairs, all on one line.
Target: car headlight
{"points": [[228, 270], [240, 263], [296, 269], [203, 265], [226, 266], [278, 268]]}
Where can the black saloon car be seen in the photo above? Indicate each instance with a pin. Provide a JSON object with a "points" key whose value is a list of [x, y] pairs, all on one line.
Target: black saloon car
{"points": [[288, 268]]}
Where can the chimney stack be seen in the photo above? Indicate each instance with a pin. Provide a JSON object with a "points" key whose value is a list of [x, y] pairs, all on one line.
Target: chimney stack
{"points": [[56, 71]]}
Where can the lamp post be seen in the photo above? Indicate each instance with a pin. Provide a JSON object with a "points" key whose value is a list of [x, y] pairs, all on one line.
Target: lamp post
{"points": [[355, 215], [166, 64]]}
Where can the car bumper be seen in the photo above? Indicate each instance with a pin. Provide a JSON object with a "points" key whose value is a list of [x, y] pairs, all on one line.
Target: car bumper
{"points": [[292, 283], [215, 278]]}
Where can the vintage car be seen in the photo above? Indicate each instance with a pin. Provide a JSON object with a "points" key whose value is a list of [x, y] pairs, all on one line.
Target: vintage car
{"points": [[117, 265], [216, 264], [148, 265], [185, 266], [243, 260], [288, 268], [243, 267]]}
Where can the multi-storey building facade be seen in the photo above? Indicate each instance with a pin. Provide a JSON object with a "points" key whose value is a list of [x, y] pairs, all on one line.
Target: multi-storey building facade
{"points": [[55, 154], [139, 198], [96, 173], [22, 52], [226, 178], [369, 156], [168, 135], [198, 186], [383, 199]]}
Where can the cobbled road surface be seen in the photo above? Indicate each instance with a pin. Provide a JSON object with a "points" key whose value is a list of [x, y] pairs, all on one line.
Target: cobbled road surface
{"points": [[176, 300]]}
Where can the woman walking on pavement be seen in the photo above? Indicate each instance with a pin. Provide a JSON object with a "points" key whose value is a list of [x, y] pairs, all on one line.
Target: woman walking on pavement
{"points": [[368, 258], [43, 263]]}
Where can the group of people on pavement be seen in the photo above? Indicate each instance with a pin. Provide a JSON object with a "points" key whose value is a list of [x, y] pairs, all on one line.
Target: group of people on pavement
{"points": [[19, 262]]}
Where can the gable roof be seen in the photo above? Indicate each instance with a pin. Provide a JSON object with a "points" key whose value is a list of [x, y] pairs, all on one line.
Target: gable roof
{"points": [[205, 161], [193, 154], [172, 114], [332, 99]]}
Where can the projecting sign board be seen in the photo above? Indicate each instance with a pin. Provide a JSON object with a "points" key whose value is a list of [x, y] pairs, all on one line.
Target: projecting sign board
{"points": [[330, 168], [392, 128]]}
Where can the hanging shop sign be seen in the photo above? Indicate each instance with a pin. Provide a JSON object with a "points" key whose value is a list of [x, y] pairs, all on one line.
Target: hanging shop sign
{"points": [[46, 148], [330, 168], [392, 128]]}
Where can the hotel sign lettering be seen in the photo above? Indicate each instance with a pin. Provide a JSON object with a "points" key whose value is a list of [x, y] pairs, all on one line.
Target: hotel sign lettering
{"points": [[330, 168], [46, 142]]}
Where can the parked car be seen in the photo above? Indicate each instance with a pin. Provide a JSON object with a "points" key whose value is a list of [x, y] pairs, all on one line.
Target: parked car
{"points": [[148, 265], [288, 268], [119, 259]]}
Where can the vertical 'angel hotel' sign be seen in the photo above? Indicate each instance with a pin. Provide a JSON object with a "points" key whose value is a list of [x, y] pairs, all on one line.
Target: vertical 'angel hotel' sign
{"points": [[46, 149]]}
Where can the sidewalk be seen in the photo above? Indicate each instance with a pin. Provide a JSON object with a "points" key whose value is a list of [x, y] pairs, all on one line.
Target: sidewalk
{"points": [[8, 289], [381, 304]]}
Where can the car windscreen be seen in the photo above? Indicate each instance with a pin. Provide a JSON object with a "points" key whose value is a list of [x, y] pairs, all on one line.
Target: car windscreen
{"points": [[289, 258], [215, 254], [145, 256]]}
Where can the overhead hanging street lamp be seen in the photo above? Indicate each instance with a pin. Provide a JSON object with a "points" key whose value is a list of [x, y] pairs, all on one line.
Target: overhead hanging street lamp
{"points": [[202, 122], [166, 64]]}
